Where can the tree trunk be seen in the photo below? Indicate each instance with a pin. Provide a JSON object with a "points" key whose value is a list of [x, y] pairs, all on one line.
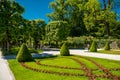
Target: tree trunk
{"points": [[36, 44], [7, 42], [104, 2], [108, 29]]}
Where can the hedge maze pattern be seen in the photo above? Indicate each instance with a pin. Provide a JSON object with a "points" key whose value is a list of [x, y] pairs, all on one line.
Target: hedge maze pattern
{"points": [[88, 71]]}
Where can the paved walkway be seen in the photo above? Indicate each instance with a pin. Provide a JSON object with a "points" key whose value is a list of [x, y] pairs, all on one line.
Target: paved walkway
{"points": [[86, 53], [5, 72]]}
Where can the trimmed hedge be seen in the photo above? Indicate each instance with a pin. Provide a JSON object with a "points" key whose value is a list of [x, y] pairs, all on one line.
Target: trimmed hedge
{"points": [[64, 51], [24, 54], [93, 47], [107, 46]]}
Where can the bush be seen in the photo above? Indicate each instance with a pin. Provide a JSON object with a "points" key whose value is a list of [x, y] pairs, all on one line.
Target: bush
{"points": [[107, 46], [14, 50], [23, 54], [64, 51], [93, 47], [32, 50]]}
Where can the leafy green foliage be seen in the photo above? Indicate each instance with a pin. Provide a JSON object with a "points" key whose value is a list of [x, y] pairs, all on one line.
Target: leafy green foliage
{"points": [[14, 50], [57, 31], [93, 47], [76, 42], [71, 11], [64, 51], [107, 46], [36, 31], [10, 19], [23, 54]]}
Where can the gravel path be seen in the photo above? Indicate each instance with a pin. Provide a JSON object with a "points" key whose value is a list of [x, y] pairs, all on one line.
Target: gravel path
{"points": [[86, 53], [5, 72]]}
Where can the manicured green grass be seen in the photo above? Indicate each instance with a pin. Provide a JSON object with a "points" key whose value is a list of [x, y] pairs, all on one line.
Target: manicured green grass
{"points": [[88, 63], [116, 73], [110, 51], [100, 72], [22, 73], [60, 61], [34, 65], [107, 63]]}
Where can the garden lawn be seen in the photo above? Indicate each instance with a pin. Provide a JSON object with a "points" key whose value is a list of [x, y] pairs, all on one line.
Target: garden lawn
{"points": [[110, 51], [22, 73]]}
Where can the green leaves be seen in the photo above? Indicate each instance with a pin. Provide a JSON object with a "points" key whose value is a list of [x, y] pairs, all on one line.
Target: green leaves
{"points": [[64, 51], [107, 46], [24, 54], [57, 31], [93, 47]]}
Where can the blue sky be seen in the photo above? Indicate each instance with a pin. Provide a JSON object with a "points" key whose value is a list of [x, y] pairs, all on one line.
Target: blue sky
{"points": [[35, 9]]}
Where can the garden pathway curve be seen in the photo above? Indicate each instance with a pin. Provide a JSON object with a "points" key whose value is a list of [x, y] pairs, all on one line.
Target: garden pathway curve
{"points": [[5, 72], [86, 53]]}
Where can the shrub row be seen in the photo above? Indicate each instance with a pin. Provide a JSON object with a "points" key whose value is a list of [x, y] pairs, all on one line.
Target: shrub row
{"points": [[81, 42], [15, 50], [94, 46]]}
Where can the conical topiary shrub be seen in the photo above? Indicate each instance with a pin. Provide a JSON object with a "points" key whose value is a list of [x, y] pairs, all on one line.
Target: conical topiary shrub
{"points": [[93, 47], [23, 54], [64, 51], [107, 46]]}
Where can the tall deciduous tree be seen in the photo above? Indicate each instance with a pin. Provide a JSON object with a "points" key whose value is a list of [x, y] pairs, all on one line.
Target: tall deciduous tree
{"points": [[57, 31], [59, 8], [36, 31], [10, 12], [70, 11], [95, 17], [75, 11]]}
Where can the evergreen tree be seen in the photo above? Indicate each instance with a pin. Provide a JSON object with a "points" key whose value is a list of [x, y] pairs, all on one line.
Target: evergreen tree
{"points": [[64, 51], [107, 46], [93, 47], [24, 54]]}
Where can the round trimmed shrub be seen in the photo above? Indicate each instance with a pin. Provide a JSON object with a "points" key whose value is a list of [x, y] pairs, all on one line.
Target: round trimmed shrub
{"points": [[23, 54], [64, 51], [107, 46], [93, 47]]}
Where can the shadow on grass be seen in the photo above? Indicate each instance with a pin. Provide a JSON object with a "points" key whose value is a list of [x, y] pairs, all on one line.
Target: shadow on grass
{"points": [[34, 55]]}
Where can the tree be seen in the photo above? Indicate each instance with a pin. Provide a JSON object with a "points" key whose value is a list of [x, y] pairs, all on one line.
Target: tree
{"points": [[109, 5], [70, 11], [57, 31], [59, 7], [24, 54], [115, 30], [93, 47], [64, 51], [9, 10], [75, 11], [107, 46], [36, 31], [95, 17]]}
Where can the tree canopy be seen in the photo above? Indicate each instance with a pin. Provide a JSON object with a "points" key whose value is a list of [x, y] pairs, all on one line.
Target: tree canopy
{"points": [[68, 18]]}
